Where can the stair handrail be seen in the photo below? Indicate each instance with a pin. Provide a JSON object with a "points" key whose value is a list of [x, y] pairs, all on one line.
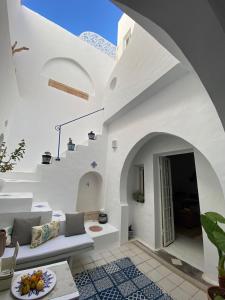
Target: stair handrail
{"points": [[59, 128]]}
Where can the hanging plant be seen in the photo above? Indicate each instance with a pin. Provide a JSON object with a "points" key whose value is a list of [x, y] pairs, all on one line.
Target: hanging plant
{"points": [[8, 161], [139, 197]]}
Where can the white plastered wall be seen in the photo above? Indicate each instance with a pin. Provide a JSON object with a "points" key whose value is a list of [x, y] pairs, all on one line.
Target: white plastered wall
{"points": [[146, 218], [125, 26], [183, 109], [90, 193], [79, 65], [9, 96]]}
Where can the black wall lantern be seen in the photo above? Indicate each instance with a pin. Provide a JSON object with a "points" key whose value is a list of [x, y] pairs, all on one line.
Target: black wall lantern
{"points": [[46, 158]]}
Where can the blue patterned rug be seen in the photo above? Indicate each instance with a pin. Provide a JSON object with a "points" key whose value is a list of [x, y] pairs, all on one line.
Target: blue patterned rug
{"points": [[116, 281]]}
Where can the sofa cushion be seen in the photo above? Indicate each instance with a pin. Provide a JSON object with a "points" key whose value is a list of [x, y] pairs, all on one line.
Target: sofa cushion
{"points": [[53, 247], [22, 230], [43, 233], [74, 224]]}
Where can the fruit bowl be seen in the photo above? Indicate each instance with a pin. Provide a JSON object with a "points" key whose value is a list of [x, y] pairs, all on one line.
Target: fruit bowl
{"points": [[34, 284]]}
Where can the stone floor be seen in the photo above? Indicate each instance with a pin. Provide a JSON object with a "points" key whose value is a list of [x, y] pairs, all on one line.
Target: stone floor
{"points": [[168, 280]]}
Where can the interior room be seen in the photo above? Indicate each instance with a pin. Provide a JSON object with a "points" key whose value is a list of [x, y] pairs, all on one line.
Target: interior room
{"points": [[186, 210]]}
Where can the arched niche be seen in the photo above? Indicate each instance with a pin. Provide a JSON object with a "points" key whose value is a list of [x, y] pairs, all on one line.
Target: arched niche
{"points": [[90, 192], [146, 217], [69, 72]]}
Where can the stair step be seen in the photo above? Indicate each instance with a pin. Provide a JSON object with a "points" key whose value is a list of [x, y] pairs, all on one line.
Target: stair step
{"points": [[19, 175], [40, 206]]}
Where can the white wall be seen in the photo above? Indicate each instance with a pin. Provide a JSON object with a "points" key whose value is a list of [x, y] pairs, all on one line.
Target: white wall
{"points": [[142, 64], [9, 95], [43, 107], [183, 109], [125, 25], [143, 216], [146, 217]]}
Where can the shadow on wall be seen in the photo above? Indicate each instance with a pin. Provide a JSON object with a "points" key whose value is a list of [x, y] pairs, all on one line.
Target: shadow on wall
{"points": [[70, 72], [90, 193]]}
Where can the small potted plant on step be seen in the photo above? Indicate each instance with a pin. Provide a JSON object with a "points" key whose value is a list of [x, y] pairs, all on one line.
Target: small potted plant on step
{"points": [[210, 222], [91, 135], [70, 145], [8, 161], [139, 197]]}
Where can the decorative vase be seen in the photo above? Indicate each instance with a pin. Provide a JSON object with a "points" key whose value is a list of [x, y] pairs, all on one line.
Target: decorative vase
{"points": [[2, 241], [70, 145], [91, 135], [46, 158], [2, 183], [102, 218]]}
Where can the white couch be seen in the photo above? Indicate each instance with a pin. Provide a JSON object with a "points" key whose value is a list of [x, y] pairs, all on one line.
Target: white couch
{"points": [[56, 249]]}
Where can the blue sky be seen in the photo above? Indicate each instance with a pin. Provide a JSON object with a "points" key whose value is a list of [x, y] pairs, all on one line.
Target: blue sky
{"points": [[100, 16]]}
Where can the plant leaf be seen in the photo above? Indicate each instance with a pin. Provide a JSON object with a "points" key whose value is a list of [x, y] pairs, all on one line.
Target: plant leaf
{"points": [[215, 217], [210, 228], [220, 239]]}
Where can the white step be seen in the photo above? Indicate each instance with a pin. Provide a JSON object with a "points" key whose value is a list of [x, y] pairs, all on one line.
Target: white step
{"points": [[108, 238], [40, 206], [19, 175], [16, 202]]}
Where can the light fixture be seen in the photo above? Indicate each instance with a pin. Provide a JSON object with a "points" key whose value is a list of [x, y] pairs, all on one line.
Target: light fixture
{"points": [[114, 144]]}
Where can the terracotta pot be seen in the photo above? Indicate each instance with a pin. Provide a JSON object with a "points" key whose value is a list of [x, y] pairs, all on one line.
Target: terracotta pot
{"points": [[214, 291], [221, 282], [2, 241]]}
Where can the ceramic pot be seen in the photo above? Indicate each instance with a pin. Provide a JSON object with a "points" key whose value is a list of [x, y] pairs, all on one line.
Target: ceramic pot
{"points": [[214, 291], [102, 218], [91, 135], [70, 146], [46, 158], [2, 183], [2, 242]]}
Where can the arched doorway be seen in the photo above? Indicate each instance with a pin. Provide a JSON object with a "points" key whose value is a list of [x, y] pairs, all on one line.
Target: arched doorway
{"points": [[146, 217], [90, 193]]}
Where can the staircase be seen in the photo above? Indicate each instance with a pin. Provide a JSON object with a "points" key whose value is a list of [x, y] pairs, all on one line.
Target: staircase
{"points": [[57, 184]]}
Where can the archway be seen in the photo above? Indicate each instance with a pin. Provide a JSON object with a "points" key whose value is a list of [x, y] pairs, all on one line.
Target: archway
{"points": [[90, 193], [146, 217]]}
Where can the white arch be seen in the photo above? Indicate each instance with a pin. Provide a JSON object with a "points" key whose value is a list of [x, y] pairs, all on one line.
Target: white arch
{"points": [[90, 192]]}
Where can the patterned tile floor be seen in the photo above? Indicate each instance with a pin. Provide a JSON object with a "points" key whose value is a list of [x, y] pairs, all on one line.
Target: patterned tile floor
{"points": [[174, 285]]}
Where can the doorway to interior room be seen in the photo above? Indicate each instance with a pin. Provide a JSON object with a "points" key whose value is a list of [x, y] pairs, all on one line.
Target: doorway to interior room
{"points": [[180, 209]]}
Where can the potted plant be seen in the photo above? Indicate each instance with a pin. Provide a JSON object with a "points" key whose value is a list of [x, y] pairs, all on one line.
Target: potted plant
{"points": [[139, 197], [210, 222], [46, 158], [8, 161], [70, 145], [91, 135]]}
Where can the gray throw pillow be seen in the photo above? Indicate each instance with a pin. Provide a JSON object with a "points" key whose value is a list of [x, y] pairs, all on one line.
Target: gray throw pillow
{"points": [[22, 230], [74, 224]]}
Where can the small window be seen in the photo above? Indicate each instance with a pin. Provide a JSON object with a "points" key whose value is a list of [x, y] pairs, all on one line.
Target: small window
{"points": [[141, 181], [139, 192], [126, 39]]}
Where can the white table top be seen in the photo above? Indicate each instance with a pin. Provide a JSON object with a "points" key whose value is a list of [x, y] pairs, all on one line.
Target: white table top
{"points": [[65, 288]]}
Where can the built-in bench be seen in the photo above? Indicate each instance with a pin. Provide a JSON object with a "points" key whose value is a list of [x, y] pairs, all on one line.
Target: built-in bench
{"points": [[56, 249]]}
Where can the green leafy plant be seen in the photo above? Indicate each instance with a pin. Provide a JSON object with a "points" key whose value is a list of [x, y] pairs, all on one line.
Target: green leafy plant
{"points": [[216, 235], [139, 197], [8, 161]]}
